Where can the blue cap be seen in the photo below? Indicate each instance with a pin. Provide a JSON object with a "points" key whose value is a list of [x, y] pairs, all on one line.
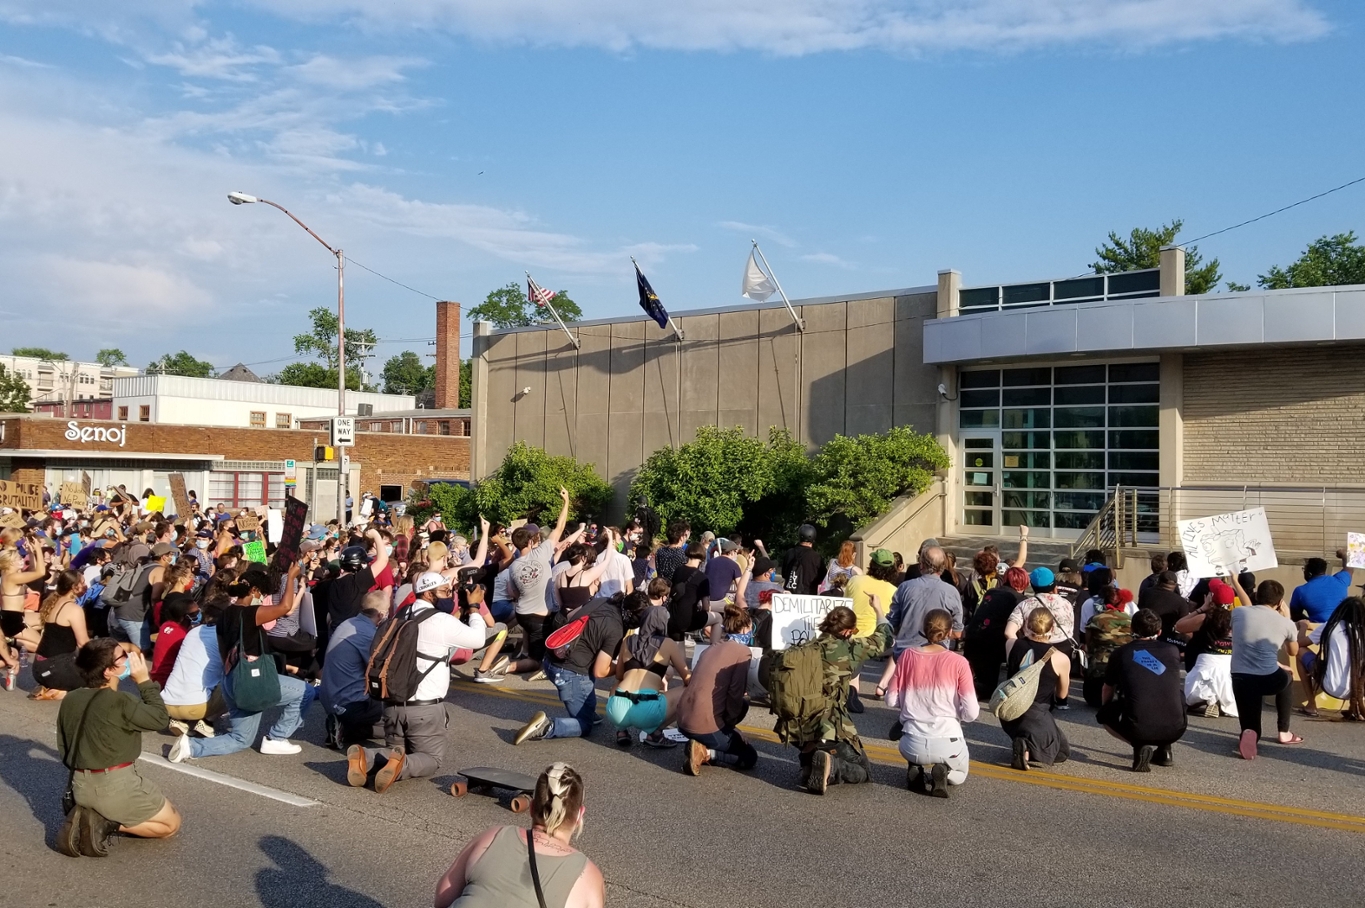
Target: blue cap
{"points": [[1092, 566], [1041, 577]]}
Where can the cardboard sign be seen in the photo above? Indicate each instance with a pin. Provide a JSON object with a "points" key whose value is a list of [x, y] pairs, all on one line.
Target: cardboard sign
{"points": [[155, 504], [291, 532], [1228, 543], [254, 551], [105, 526], [181, 498], [796, 619], [86, 483], [74, 494], [25, 495], [13, 521], [1355, 550], [247, 523]]}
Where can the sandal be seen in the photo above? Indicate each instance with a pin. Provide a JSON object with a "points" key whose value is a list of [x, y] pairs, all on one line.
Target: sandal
{"points": [[1293, 739], [623, 737], [1305, 711]]}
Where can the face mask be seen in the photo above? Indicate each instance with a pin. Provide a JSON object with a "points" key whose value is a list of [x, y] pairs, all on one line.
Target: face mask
{"points": [[127, 671], [196, 619], [202, 543], [174, 559], [390, 549]]}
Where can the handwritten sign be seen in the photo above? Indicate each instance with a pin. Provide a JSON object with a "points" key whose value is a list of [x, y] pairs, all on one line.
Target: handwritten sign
{"points": [[180, 496], [155, 504], [1355, 550], [254, 551], [25, 495], [13, 521], [796, 619], [73, 493], [1228, 543], [247, 523]]}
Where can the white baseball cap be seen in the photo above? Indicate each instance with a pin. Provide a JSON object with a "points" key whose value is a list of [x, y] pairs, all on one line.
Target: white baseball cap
{"points": [[431, 581]]}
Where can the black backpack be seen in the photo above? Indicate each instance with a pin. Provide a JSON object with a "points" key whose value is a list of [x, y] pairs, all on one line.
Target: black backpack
{"points": [[391, 675]]}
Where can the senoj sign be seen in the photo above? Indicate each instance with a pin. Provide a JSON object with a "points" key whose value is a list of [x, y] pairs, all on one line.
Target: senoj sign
{"points": [[86, 434]]}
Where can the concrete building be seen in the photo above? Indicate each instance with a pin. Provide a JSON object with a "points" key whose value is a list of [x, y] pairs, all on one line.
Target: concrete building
{"points": [[1048, 395], [182, 401], [62, 381]]}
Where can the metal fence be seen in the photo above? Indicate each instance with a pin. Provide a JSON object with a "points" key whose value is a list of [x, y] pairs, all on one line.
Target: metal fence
{"points": [[1304, 520]]}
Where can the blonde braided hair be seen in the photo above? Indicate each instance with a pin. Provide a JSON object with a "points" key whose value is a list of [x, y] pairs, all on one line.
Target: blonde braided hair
{"points": [[559, 796]]}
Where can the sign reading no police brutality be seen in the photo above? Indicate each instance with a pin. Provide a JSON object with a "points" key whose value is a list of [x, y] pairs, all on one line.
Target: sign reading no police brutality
{"points": [[796, 619], [26, 495], [1228, 543]]}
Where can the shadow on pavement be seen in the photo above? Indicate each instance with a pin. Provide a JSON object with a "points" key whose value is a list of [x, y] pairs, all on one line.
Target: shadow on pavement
{"points": [[40, 780], [300, 879]]}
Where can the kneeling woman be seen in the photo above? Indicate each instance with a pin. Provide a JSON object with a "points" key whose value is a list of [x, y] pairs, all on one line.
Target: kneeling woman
{"points": [[933, 688], [99, 736], [717, 699], [1034, 735], [506, 867], [641, 698]]}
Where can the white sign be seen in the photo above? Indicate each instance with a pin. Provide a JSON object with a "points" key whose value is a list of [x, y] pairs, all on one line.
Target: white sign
{"points": [[291, 470], [796, 619], [1228, 543], [84, 434], [343, 431], [1355, 550], [274, 524]]}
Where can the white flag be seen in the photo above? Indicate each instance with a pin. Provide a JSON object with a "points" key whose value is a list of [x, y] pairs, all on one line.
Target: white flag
{"points": [[757, 285]]}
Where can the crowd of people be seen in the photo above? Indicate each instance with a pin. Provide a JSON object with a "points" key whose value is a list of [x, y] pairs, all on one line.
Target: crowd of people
{"points": [[370, 618]]}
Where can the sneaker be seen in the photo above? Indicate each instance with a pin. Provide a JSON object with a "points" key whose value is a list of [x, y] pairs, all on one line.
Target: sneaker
{"points": [[1246, 745], [1018, 759], [492, 676], [677, 737], [98, 834], [819, 772], [855, 702], [536, 729], [1211, 711], [278, 746], [538, 675], [939, 775], [896, 732], [1142, 758], [180, 750], [914, 777], [357, 766], [1063, 704], [389, 772], [1163, 756], [178, 728], [501, 665], [68, 837], [203, 729], [658, 739], [694, 758]]}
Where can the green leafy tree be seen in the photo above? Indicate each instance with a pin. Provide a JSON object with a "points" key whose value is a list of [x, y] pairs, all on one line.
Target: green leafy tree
{"points": [[466, 383], [1234, 287], [405, 374], [1142, 249], [508, 307], [1327, 262], [110, 357], [859, 477], [14, 393], [315, 375], [181, 364], [40, 353], [321, 341]]}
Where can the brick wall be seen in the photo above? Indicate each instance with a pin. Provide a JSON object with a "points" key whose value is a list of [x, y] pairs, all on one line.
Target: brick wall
{"points": [[447, 355], [384, 458], [1293, 416]]}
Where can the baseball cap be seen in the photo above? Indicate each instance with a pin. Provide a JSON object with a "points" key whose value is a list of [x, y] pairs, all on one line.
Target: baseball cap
{"points": [[317, 531], [161, 549], [1222, 593], [430, 581], [883, 558], [1041, 577], [727, 545], [1068, 565], [762, 566], [205, 534], [309, 545]]}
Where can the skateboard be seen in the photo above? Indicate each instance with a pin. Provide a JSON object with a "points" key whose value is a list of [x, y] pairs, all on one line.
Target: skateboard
{"points": [[484, 779]]}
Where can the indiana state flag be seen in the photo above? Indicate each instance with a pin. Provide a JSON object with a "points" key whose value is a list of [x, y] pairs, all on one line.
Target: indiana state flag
{"points": [[649, 300]]}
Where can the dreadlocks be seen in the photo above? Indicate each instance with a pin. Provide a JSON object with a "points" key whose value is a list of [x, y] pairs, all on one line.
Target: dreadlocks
{"points": [[1350, 618]]}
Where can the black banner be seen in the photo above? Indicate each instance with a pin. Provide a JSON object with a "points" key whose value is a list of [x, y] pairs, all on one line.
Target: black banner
{"points": [[295, 518]]}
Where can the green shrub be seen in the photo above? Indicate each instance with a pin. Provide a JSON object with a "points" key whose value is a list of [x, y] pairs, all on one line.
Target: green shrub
{"points": [[857, 478]]}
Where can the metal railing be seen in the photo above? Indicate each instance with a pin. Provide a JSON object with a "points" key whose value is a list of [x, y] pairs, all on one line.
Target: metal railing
{"points": [[1114, 528]]}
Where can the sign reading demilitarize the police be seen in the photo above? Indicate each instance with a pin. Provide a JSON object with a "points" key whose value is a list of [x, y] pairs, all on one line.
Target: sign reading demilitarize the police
{"points": [[796, 619]]}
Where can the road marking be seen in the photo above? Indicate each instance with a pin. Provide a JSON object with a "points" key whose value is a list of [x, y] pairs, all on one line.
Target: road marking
{"points": [[888, 755], [209, 775]]}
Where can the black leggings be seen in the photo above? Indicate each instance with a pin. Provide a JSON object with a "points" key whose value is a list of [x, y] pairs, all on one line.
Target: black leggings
{"points": [[1249, 690]]}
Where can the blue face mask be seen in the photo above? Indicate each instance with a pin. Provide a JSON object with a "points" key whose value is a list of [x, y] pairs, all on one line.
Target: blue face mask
{"points": [[196, 618], [127, 670]]}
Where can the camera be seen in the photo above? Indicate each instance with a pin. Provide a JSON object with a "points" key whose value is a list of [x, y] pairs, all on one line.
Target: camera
{"points": [[466, 579]]}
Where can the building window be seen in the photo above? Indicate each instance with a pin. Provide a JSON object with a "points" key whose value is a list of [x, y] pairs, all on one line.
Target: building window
{"points": [[123, 414], [246, 489], [395, 426], [445, 427], [376, 427], [144, 413], [284, 421], [422, 428], [258, 419]]}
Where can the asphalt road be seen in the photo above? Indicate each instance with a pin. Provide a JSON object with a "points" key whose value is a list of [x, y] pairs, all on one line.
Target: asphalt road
{"points": [[1212, 831]]}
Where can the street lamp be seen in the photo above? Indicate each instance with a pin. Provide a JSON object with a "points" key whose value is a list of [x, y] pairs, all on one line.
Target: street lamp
{"points": [[241, 198]]}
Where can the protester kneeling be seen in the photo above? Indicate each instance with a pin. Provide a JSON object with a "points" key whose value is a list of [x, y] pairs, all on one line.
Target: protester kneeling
{"points": [[99, 738], [1144, 699], [716, 700]]}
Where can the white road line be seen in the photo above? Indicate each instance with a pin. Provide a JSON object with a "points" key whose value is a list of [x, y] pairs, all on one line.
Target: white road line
{"points": [[209, 775]]}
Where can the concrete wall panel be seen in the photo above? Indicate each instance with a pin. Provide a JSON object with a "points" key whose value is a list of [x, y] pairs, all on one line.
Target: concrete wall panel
{"points": [[777, 370], [823, 358], [662, 385], [701, 373], [502, 382], [627, 403], [914, 383], [561, 396], [870, 384], [530, 408], [738, 357], [594, 396]]}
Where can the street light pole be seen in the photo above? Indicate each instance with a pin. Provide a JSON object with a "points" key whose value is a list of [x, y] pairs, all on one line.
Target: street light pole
{"points": [[343, 480]]}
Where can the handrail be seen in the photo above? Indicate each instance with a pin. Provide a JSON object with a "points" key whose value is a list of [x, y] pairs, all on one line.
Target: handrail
{"points": [[1114, 527]]}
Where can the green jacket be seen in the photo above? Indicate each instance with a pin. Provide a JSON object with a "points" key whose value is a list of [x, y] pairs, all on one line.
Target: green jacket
{"points": [[1106, 632], [843, 659]]}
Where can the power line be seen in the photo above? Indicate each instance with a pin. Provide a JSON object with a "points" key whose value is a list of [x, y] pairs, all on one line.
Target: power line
{"points": [[391, 280], [1276, 211]]}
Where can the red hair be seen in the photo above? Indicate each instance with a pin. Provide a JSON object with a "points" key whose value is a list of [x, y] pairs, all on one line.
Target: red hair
{"points": [[1016, 578]]}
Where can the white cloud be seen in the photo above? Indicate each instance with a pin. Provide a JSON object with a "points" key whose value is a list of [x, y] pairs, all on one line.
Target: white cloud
{"points": [[828, 258], [115, 292], [350, 75], [754, 230], [216, 58], [11, 60]]}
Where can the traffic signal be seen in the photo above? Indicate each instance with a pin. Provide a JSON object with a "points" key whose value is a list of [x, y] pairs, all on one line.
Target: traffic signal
{"points": [[324, 452]]}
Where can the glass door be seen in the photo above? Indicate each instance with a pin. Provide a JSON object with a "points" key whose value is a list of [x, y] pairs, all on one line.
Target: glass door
{"points": [[981, 483]]}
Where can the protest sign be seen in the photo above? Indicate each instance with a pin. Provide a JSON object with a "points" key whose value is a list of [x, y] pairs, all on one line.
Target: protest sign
{"points": [[796, 619], [1228, 543], [73, 493], [155, 504], [1355, 550], [13, 521], [86, 483], [247, 523], [26, 495], [254, 551], [291, 532], [274, 524], [180, 496]]}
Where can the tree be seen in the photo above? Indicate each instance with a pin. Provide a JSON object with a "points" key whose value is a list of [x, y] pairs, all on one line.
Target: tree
{"points": [[40, 353], [508, 307], [14, 393], [1234, 287], [405, 374], [110, 357], [314, 375], [321, 341], [1327, 262], [858, 477], [466, 383], [181, 364], [1142, 250]]}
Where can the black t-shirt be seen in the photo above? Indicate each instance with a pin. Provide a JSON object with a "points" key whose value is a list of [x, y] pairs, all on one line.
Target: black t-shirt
{"points": [[602, 634], [1146, 677], [801, 571], [347, 595], [239, 622], [1168, 604], [689, 587]]}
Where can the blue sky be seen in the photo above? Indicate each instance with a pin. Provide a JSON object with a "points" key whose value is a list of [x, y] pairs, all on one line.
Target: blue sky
{"points": [[453, 144]]}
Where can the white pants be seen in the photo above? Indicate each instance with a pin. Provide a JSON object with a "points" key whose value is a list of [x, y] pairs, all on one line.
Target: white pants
{"points": [[920, 751], [1211, 682]]}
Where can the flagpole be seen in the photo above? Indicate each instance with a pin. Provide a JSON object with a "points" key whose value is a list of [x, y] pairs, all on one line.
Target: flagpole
{"points": [[548, 305], [677, 332], [800, 322]]}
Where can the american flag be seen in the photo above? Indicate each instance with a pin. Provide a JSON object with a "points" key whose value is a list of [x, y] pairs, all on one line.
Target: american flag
{"points": [[537, 294]]}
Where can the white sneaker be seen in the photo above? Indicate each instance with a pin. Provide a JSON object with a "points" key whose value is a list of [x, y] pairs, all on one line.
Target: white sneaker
{"points": [[178, 728], [203, 729], [180, 750], [538, 676], [279, 747]]}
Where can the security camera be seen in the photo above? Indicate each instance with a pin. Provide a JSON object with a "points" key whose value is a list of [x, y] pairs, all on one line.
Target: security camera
{"points": [[943, 389]]}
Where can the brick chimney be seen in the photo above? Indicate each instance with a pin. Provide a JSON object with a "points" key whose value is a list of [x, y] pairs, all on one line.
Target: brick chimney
{"points": [[447, 355]]}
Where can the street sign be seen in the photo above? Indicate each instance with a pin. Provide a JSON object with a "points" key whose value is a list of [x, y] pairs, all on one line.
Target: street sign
{"points": [[343, 431], [291, 474]]}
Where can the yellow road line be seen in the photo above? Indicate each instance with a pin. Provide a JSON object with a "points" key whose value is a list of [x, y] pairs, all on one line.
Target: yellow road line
{"points": [[889, 756]]}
